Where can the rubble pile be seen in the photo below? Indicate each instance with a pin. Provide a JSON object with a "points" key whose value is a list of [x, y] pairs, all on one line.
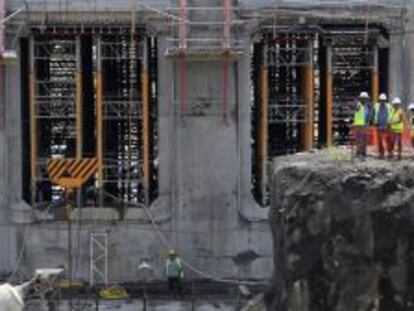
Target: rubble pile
{"points": [[343, 234]]}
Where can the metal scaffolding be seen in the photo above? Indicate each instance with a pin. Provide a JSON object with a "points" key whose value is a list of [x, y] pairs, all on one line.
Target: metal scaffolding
{"points": [[94, 94], [98, 274], [283, 109], [305, 83], [215, 21], [121, 100], [53, 103], [352, 66]]}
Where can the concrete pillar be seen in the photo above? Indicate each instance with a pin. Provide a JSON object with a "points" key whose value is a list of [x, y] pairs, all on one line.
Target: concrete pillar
{"points": [[401, 62]]}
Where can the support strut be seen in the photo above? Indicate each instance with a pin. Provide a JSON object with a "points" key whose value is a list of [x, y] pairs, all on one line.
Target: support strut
{"points": [[329, 97], [309, 100], [145, 124], [33, 123], [99, 122], [375, 76], [263, 125]]}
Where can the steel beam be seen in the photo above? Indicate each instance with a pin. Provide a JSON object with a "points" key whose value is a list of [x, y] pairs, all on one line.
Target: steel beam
{"points": [[145, 123], [79, 104], [309, 99], [33, 122], [329, 97], [99, 122], [375, 76], [264, 124]]}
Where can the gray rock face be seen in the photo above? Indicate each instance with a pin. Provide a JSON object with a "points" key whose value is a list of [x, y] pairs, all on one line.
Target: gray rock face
{"points": [[343, 234]]}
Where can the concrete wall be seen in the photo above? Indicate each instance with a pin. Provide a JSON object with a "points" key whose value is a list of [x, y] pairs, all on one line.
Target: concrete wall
{"points": [[205, 208], [402, 60]]}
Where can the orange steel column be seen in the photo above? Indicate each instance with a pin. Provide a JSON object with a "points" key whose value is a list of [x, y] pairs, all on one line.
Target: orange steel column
{"points": [[263, 124], [79, 111], [33, 123], [329, 97], [99, 122], [145, 124], [375, 76], [309, 100]]}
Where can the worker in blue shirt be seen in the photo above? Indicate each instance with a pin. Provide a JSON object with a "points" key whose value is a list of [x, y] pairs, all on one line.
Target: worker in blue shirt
{"points": [[382, 114]]}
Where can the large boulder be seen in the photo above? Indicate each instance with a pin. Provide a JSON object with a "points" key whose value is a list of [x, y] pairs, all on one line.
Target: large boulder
{"points": [[343, 234]]}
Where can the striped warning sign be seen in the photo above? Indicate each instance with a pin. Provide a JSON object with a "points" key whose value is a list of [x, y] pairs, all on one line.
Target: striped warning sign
{"points": [[71, 173]]}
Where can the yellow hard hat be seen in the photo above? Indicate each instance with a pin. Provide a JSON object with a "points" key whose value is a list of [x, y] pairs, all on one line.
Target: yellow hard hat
{"points": [[172, 252]]}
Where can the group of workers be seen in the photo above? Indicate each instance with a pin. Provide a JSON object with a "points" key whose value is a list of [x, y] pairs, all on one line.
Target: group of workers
{"points": [[389, 121]]}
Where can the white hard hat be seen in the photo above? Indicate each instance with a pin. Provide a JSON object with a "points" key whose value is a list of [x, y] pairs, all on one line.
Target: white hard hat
{"points": [[411, 106], [396, 101], [364, 95], [382, 96]]}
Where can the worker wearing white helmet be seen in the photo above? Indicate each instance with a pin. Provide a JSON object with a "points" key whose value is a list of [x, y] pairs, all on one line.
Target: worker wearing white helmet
{"points": [[174, 272], [397, 126], [364, 95], [361, 121], [382, 114], [411, 119]]}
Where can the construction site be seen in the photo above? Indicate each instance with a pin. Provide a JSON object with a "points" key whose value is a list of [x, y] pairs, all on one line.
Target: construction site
{"points": [[221, 130]]}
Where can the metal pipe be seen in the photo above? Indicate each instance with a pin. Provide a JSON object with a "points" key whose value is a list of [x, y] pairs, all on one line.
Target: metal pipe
{"points": [[33, 123], [145, 123], [99, 121], [309, 100], [329, 97], [4, 19], [263, 124], [79, 110], [375, 76], [227, 24], [182, 34], [182, 30], [2, 15]]}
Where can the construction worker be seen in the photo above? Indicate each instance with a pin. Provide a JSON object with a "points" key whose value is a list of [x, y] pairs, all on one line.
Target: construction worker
{"points": [[397, 126], [361, 121], [411, 120], [174, 272], [382, 116]]}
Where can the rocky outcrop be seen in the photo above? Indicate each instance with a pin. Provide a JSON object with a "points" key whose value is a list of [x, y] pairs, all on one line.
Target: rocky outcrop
{"points": [[343, 234]]}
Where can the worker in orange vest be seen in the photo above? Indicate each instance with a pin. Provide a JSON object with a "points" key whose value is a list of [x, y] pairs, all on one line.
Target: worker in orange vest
{"points": [[396, 126]]}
